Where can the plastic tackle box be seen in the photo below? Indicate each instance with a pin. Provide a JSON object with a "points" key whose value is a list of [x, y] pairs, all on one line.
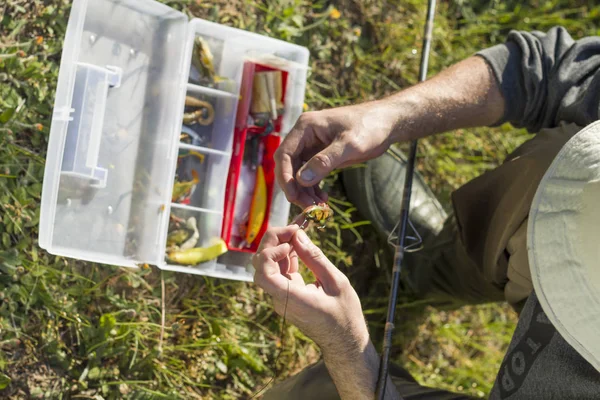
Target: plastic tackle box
{"points": [[116, 141]]}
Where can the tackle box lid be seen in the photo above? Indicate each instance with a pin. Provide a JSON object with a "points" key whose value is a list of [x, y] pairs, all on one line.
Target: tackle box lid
{"points": [[117, 114], [117, 119]]}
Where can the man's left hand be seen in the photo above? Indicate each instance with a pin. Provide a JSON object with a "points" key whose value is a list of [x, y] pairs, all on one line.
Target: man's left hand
{"points": [[329, 310]]}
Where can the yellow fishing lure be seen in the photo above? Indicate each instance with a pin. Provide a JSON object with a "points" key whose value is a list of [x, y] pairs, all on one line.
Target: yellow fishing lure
{"points": [[198, 255], [258, 207]]}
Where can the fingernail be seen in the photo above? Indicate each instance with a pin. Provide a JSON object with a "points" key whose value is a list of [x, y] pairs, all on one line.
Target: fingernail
{"points": [[302, 237], [307, 175]]}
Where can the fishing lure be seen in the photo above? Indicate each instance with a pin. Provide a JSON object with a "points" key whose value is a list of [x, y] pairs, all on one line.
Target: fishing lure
{"points": [[182, 189], [258, 207], [203, 59], [198, 255], [176, 237], [317, 213], [184, 238], [204, 113], [190, 136]]}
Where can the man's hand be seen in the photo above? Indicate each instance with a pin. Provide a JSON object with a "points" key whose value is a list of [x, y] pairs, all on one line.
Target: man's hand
{"points": [[329, 310], [462, 96], [327, 140]]}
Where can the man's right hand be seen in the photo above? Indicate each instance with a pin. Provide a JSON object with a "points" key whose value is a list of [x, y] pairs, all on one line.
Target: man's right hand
{"points": [[322, 141]]}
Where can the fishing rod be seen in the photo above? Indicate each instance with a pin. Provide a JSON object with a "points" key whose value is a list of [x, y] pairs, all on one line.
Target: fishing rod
{"points": [[404, 222]]}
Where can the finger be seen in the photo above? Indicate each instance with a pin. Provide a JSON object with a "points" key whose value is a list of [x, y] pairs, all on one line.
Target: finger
{"points": [[322, 195], [293, 261], [284, 173], [300, 220], [267, 261], [286, 158], [267, 272], [276, 236], [305, 199], [297, 279], [289, 265], [321, 164], [311, 192], [330, 277], [284, 267]]}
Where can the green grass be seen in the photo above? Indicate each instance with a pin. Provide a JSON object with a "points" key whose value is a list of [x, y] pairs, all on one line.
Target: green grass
{"points": [[70, 329]]}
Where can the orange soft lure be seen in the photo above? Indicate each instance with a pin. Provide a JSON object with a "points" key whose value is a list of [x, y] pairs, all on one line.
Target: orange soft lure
{"points": [[318, 213]]}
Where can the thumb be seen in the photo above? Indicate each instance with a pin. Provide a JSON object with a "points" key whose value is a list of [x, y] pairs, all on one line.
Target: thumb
{"points": [[330, 277], [321, 164]]}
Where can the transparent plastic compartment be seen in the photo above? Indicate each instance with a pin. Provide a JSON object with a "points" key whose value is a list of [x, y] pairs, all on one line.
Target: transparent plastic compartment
{"points": [[208, 225], [199, 179], [205, 59], [208, 122], [279, 55], [208, 68]]}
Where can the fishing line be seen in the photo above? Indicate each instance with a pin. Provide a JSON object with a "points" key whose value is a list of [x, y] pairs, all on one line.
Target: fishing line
{"points": [[281, 340], [162, 312]]}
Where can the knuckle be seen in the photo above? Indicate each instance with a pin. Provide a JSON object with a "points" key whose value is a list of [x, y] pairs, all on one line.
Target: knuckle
{"points": [[261, 258], [342, 281], [291, 197], [278, 155], [300, 125], [259, 280], [315, 253], [270, 235], [306, 118], [311, 121], [322, 161], [351, 143]]}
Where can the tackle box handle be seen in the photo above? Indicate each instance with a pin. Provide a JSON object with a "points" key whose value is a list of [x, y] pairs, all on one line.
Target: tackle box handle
{"points": [[85, 122]]}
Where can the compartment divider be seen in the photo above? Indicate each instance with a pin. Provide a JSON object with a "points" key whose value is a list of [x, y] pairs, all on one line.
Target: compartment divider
{"points": [[210, 91], [192, 208], [204, 150]]}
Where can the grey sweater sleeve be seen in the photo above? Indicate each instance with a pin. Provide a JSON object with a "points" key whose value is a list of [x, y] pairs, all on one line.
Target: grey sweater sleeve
{"points": [[547, 78]]}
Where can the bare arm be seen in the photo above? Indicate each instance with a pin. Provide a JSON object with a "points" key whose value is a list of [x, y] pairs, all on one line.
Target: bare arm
{"points": [[535, 80], [355, 373], [328, 311], [466, 94]]}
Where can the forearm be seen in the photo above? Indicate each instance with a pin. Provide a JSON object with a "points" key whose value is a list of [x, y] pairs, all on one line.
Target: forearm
{"points": [[464, 95], [535, 80], [355, 373]]}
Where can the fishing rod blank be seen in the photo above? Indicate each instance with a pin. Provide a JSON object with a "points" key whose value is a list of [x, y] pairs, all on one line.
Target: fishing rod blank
{"points": [[404, 222]]}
